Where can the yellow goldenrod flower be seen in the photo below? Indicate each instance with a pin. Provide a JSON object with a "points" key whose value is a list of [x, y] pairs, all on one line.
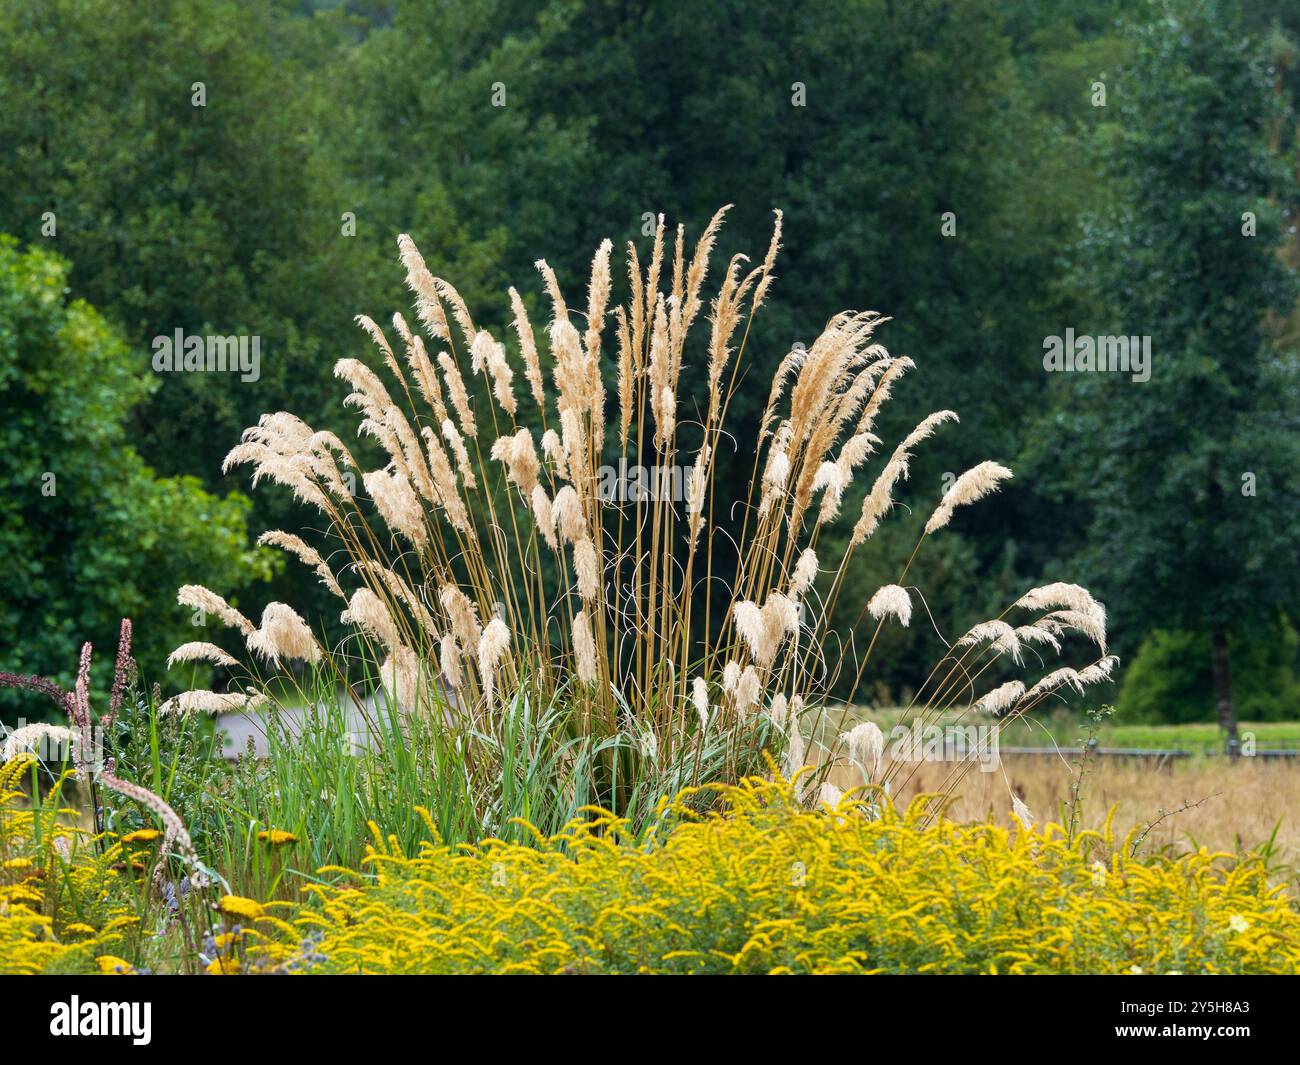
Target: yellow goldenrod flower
{"points": [[277, 837], [237, 906], [111, 964], [141, 835]]}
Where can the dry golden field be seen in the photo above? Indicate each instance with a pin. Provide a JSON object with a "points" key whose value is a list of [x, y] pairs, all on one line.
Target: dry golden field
{"points": [[1204, 801]]}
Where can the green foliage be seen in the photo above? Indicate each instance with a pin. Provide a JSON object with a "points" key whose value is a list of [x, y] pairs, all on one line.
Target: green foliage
{"points": [[1169, 678], [1174, 536], [90, 535]]}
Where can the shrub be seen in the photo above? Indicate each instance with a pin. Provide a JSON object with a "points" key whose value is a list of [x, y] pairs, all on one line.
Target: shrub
{"points": [[682, 629], [770, 887], [90, 533]]}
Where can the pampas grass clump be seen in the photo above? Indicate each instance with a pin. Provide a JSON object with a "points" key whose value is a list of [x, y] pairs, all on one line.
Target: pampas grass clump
{"points": [[483, 569]]}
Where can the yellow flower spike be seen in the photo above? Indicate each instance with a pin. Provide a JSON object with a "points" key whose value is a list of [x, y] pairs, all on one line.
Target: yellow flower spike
{"points": [[242, 908], [276, 837], [142, 835], [111, 965]]}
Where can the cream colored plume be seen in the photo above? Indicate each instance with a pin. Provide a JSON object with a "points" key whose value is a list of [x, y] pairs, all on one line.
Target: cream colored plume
{"points": [[586, 565], [891, 599], [998, 633], [199, 651], [283, 634], [372, 615], [51, 742], [700, 697], [971, 486], [449, 661], [765, 628], [805, 573], [1000, 698], [584, 648], [866, 746], [306, 554], [462, 614], [206, 702], [200, 598], [491, 649], [397, 504]]}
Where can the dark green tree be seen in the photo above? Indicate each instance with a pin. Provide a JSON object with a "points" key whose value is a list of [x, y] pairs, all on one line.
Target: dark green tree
{"points": [[1189, 481], [89, 534]]}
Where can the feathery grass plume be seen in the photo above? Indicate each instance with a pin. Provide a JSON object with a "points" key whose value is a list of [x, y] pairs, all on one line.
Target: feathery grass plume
{"points": [[200, 598], [1000, 698], [462, 614], [56, 741], [449, 661], [494, 359], [397, 504], [668, 598], [308, 555], [459, 395], [1037, 633], [528, 348], [730, 676], [586, 567], [198, 651], [381, 342], [696, 486], [459, 311], [795, 748], [1099, 671], [805, 573], [207, 702], [1092, 623], [1001, 636], [401, 677], [584, 648], [544, 516], [974, 484], [866, 746], [1057, 678], [891, 599], [428, 308], [1060, 594], [769, 261], [566, 510], [371, 614], [765, 628], [463, 465], [176, 837], [748, 690], [1021, 811], [492, 647], [283, 634], [519, 457], [700, 698], [553, 449]]}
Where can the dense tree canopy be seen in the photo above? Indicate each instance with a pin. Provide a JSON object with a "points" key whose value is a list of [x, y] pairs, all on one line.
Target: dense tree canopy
{"points": [[89, 534], [987, 173]]}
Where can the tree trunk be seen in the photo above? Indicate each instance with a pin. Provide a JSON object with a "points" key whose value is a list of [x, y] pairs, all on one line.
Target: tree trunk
{"points": [[1223, 687]]}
